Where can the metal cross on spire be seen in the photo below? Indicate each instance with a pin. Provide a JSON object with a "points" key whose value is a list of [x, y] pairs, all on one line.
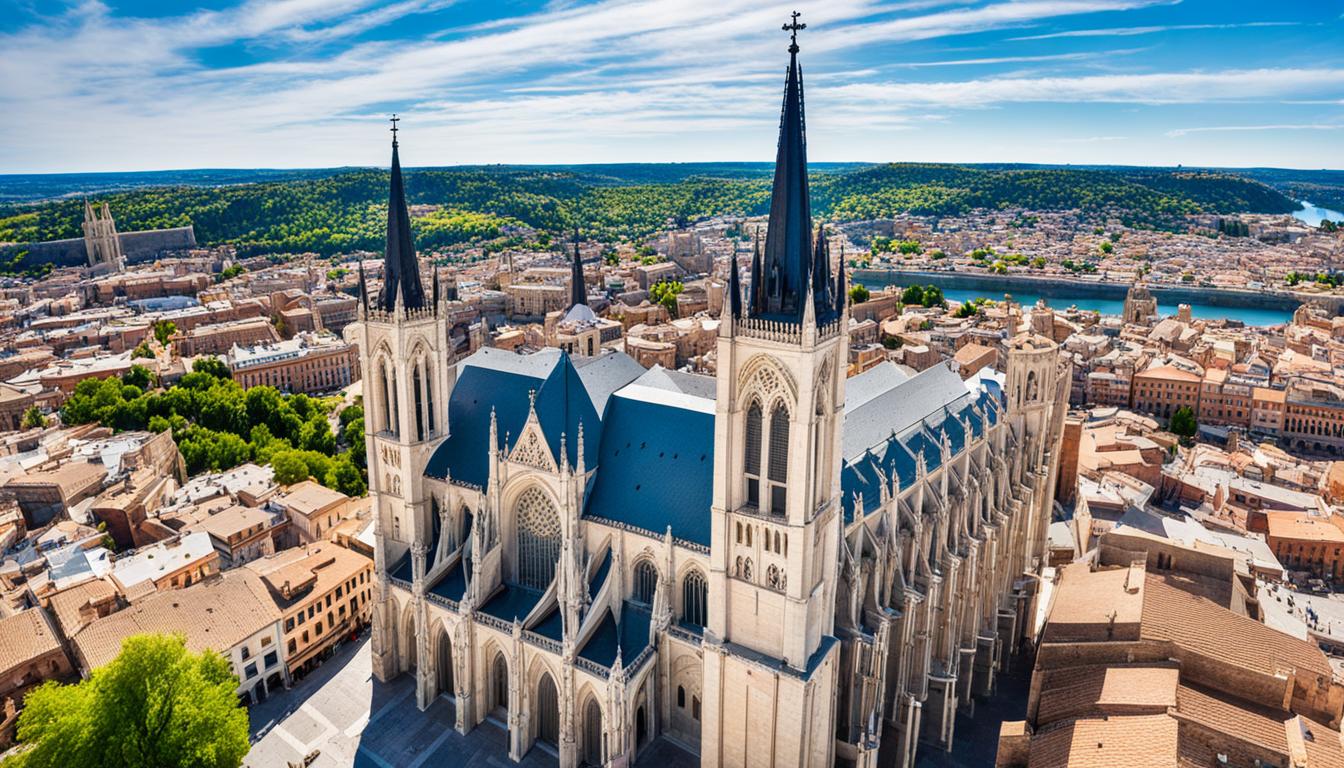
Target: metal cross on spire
{"points": [[394, 120], [792, 28]]}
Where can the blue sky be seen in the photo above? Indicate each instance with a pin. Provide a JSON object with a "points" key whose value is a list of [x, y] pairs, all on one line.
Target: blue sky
{"points": [[141, 85]]}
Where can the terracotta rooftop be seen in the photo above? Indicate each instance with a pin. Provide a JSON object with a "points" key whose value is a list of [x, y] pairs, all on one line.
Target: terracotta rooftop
{"points": [[1093, 606], [68, 606], [216, 614], [25, 636], [312, 570], [1303, 527], [308, 498], [1147, 740]]}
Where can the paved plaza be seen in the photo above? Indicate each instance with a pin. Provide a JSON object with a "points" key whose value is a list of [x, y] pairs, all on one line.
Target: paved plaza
{"points": [[340, 712]]}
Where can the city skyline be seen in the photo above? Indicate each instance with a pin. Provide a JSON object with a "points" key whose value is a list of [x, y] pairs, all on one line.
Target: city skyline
{"points": [[119, 86]]}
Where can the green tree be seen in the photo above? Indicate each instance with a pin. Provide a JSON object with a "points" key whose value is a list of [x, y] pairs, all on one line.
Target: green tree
{"points": [[1107, 247], [913, 295], [933, 297], [289, 467], [353, 435], [33, 418], [138, 376], [212, 366], [142, 351], [164, 330], [1183, 422], [858, 293], [345, 477], [665, 292], [156, 704]]}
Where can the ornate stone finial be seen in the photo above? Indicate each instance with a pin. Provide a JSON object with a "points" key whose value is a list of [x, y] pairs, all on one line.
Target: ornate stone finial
{"points": [[582, 465], [564, 455], [532, 402], [793, 27], [517, 628]]}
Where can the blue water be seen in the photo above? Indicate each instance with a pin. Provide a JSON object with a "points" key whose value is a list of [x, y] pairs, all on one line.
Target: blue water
{"points": [[1247, 315], [1310, 214]]}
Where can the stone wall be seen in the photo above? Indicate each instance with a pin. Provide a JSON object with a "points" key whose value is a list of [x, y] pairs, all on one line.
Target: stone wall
{"points": [[136, 246]]}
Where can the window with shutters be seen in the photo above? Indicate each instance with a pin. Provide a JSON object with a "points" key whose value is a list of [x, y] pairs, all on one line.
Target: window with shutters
{"points": [[751, 461], [779, 458]]}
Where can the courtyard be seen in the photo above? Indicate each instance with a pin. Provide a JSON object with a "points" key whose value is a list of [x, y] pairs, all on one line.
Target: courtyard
{"points": [[340, 714]]}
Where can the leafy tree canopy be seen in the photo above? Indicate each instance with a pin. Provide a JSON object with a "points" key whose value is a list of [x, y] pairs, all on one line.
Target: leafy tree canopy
{"points": [[156, 704]]}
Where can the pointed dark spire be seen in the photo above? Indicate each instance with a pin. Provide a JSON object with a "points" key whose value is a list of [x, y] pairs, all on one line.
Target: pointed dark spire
{"points": [[757, 303], [735, 286], [841, 290], [401, 271], [436, 285], [821, 276], [363, 288], [788, 241], [578, 292]]}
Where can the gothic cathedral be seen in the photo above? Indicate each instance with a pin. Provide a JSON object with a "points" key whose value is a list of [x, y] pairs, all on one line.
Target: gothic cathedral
{"points": [[775, 566]]}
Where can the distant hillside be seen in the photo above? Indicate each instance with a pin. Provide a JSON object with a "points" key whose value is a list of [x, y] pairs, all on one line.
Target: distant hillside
{"points": [[344, 209]]}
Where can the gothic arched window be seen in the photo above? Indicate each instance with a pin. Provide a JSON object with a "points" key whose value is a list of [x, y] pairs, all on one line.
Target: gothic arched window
{"points": [[779, 458], [751, 459], [646, 582], [417, 390], [548, 710], [538, 539], [693, 598]]}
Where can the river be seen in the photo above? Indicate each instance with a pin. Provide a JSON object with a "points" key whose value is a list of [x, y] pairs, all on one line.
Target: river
{"points": [[1248, 315], [1313, 215], [1107, 299]]}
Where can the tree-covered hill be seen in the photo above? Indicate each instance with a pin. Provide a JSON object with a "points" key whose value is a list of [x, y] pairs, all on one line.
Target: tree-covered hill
{"points": [[346, 209]]}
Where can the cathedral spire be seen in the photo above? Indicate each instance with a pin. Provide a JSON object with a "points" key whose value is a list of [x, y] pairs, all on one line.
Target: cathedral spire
{"points": [[734, 286], [578, 292], [757, 303], [401, 276], [788, 241], [363, 288], [841, 290]]}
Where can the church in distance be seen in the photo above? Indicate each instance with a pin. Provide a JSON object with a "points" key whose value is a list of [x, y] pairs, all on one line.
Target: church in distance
{"points": [[773, 566]]}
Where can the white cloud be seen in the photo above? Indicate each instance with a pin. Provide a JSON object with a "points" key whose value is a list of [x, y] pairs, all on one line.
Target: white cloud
{"points": [[1153, 88], [1132, 31], [591, 81], [1178, 132]]}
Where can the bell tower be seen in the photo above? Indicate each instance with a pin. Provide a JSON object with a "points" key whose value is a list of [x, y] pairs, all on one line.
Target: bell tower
{"points": [[406, 358], [770, 657]]}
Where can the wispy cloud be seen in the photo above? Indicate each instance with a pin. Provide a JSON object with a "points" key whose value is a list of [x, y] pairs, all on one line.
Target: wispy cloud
{"points": [[1154, 88], [568, 82], [1075, 56], [1132, 31], [1177, 132]]}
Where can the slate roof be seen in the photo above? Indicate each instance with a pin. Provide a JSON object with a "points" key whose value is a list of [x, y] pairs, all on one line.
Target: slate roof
{"points": [[891, 418], [631, 636], [568, 391], [656, 461]]}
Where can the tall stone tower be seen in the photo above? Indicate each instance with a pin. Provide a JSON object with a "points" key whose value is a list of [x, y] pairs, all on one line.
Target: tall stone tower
{"points": [[770, 658], [406, 359], [100, 237]]}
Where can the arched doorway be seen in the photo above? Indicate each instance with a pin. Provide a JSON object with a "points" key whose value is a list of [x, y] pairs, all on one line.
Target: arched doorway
{"points": [[641, 727], [547, 713], [499, 687], [592, 734], [444, 664]]}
